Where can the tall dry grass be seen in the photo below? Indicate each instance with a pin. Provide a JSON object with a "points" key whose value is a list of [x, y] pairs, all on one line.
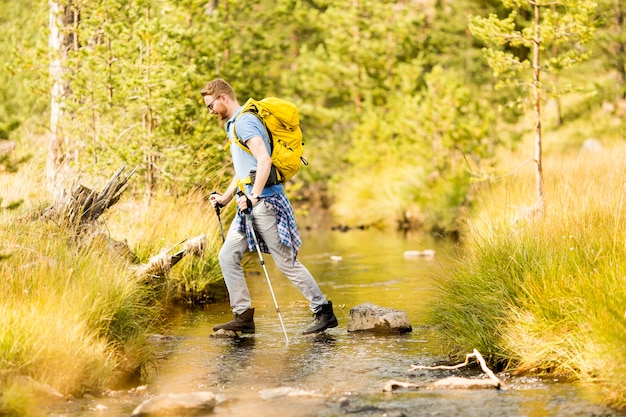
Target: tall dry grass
{"points": [[383, 196], [73, 317], [165, 225], [547, 294]]}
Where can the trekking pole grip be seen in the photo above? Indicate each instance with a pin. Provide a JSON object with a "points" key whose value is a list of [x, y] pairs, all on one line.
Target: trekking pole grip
{"points": [[248, 210], [217, 206]]}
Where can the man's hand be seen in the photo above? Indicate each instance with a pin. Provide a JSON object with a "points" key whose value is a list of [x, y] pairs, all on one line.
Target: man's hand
{"points": [[246, 203], [217, 200]]}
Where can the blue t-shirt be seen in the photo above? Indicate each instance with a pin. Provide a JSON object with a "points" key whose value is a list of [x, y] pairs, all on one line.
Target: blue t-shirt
{"points": [[248, 126]]}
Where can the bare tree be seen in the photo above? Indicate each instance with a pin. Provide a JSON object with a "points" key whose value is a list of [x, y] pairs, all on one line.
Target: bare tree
{"points": [[62, 22]]}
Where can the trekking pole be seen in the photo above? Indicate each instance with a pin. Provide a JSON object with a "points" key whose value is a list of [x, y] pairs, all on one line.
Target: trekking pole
{"points": [[248, 216], [219, 219]]}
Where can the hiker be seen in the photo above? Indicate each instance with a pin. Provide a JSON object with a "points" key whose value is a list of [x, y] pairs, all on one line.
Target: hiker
{"points": [[272, 214]]}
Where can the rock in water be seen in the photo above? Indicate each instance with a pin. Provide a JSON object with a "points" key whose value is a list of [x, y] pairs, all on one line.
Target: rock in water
{"points": [[268, 394], [456, 382], [170, 405], [373, 318]]}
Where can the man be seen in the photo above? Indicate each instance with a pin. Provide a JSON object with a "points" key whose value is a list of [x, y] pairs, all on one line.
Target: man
{"points": [[272, 214]]}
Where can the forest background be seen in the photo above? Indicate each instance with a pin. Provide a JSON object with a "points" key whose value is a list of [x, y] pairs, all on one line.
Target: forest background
{"points": [[423, 114], [399, 107]]}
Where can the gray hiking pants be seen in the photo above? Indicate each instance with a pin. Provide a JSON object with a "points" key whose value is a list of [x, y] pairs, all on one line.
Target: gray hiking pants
{"points": [[236, 245]]}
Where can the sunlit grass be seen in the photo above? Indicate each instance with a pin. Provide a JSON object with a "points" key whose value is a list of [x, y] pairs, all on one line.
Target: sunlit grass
{"points": [[165, 225], [383, 197], [73, 316], [73, 319], [547, 295]]}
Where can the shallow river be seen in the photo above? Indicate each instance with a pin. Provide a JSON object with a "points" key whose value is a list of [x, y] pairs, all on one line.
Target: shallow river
{"points": [[343, 373]]}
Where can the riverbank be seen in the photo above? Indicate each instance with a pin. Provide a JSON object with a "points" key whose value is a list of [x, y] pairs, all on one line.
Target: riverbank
{"points": [[72, 321], [75, 315], [546, 295]]}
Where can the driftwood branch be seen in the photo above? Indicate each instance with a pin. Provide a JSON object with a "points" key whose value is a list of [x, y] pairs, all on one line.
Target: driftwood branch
{"points": [[479, 358]]}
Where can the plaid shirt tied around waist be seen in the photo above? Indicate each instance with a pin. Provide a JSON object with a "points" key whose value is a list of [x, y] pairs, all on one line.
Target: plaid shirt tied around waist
{"points": [[285, 221]]}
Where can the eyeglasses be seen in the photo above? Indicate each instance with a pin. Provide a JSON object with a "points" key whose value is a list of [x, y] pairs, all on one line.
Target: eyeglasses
{"points": [[210, 105]]}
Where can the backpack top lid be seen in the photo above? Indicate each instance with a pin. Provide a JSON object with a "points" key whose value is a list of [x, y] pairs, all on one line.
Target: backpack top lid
{"points": [[285, 111]]}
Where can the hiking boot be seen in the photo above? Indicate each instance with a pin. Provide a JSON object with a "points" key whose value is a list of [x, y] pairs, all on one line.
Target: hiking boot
{"points": [[323, 319], [243, 323]]}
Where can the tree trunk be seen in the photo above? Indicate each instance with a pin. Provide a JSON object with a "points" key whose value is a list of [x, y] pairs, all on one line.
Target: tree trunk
{"points": [[356, 33], [539, 204], [620, 49], [60, 40]]}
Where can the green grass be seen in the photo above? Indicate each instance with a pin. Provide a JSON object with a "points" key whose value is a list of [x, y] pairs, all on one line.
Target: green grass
{"points": [[69, 318], [546, 295], [74, 317], [166, 225], [384, 196]]}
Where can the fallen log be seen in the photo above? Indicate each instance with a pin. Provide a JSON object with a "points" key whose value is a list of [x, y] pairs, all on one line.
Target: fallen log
{"points": [[159, 265], [80, 210]]}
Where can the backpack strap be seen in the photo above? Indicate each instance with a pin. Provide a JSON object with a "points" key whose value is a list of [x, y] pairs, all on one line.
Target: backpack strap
{"points": [[236, 138], [252, 108], [238, 142]]}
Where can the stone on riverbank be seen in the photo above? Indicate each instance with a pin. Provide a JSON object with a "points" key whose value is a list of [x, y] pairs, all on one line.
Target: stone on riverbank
{"points": [[369, 317], [186, 404], [456, 382]]}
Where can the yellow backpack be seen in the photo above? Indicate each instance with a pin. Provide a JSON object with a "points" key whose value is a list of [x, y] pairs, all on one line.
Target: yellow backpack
{"points": [[282, 123]]}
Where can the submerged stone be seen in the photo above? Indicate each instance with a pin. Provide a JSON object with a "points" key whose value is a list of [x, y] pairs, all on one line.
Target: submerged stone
{"points": [[271, 393], [186, 404], [427, 254], [393, 385], [225, 334]]}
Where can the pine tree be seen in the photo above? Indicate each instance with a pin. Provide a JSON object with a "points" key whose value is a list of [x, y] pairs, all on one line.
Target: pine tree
{"points": [[135, 91], [554, 33]]}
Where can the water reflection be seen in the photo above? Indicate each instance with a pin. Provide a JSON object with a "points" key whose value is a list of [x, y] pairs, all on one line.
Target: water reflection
{"points": [[307, 359], [238, 358]]}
